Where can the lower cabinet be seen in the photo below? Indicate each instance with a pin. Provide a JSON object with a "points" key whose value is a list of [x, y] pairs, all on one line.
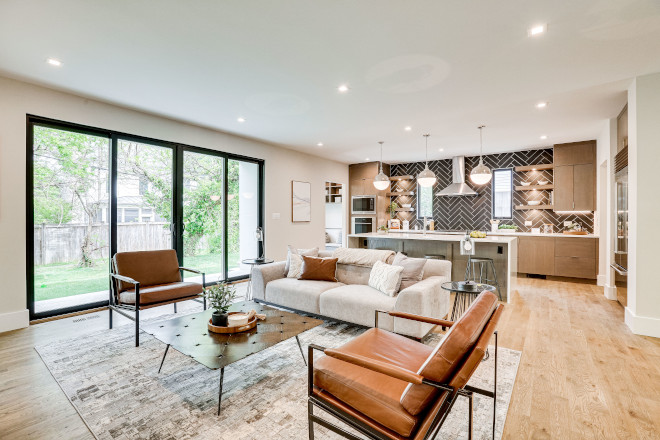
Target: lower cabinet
{"points": [[559, 256]]}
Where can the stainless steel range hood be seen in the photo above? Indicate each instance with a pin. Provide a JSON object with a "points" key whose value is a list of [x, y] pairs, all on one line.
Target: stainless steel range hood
{"points": [[458, 188]]}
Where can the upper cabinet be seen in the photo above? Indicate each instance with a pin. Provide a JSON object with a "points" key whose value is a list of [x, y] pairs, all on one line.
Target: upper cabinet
{"points": [[575, 176]]}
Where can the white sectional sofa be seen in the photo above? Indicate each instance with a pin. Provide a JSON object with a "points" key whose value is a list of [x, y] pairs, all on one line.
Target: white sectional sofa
{"points": [[352, 300]]}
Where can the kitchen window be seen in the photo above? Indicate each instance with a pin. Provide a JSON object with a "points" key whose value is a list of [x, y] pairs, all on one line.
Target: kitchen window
{"points": [[424, 201], [502, 193]]}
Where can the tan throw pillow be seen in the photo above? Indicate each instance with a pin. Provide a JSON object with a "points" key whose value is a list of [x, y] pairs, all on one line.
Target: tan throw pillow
{"points": [[385, 278], [313, 252], [320, 269], [295, 266], [413, 269]]}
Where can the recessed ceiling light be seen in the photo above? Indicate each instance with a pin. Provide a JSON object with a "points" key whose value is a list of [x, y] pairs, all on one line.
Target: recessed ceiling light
{"points": [[241, 119], [343, 88], [320, 144], [366, 159], [54, 62], [441, 149], [542, 104], [407, 128], [543, 137], [536, 30]]}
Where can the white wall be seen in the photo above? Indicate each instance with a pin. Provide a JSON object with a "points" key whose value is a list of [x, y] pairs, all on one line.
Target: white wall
{"points": [[18, 99], [605, 218], [643, 310]]}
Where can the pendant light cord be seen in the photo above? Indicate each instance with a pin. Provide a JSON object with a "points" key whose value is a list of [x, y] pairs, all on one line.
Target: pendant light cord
{"points": [[381, 155], [427, 149]]}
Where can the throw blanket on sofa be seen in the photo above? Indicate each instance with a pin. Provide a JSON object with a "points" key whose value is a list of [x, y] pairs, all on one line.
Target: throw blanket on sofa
{"points": [[361, 257]]}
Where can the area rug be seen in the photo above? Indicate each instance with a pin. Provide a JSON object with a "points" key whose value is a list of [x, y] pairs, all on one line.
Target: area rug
{"points": [[116, 389]]}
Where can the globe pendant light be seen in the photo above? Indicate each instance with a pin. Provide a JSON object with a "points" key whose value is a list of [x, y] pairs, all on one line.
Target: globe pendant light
{"points": [[381, 181], [426, 178], [481, 174]]}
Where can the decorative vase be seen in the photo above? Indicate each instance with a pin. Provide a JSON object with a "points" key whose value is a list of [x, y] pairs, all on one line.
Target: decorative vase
{"points": [[219, 319]]}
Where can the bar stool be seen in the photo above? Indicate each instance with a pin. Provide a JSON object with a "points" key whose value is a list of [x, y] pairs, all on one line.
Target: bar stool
{"points": [[484, 266]]}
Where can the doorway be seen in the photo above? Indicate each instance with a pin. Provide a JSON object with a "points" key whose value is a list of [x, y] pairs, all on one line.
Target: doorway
{"points": [[334, 215]]}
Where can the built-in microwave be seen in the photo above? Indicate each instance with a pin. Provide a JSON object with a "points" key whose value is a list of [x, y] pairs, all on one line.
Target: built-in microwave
{"points": [[363, 225], [363, 205]]}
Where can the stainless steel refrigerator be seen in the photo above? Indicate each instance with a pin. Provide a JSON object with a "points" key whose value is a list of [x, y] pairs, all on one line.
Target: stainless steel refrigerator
{"points": [[620, 260]]}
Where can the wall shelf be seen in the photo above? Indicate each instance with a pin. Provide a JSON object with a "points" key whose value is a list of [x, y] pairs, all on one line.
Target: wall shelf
{"points": [[406, 177], [544, 166], [526, 207], [401, 193], [533, 187]]}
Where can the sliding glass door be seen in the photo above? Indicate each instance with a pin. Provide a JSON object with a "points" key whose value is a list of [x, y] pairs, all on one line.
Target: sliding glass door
{"points": [[94, 192], [69, 212]]}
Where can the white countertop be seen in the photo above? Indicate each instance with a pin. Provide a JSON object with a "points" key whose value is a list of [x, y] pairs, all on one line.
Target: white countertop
{"points": [[434, 236], [499, 234]]}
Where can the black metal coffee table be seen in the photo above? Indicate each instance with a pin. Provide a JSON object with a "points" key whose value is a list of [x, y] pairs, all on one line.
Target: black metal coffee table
{"points": [[189, 335], [464, 295]]}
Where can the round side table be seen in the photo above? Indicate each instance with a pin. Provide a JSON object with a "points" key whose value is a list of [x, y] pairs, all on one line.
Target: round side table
{"points": [[465, 294], [253, 262]]}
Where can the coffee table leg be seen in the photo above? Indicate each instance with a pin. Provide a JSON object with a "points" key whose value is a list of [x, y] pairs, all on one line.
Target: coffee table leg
{"points": [[163, 361], [301, 350], [222, 376]]}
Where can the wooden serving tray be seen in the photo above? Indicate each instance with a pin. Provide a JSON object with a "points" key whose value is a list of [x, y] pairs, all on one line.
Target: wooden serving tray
{"points": [[576, 233], [241, 328]]}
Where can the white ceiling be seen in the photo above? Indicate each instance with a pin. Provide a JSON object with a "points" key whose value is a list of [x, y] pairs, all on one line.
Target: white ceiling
{"points": [[442, 67]]}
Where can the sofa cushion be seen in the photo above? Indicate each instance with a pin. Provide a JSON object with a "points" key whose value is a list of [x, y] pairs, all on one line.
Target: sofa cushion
{"points": [[162, 292], [373, 394], [313, 252], [351, 274], [450, 352], [321, 269], [437, 268], [300, 295], [413, 269], [357, 303], [149, 268], [295, 265], [385, 278]]}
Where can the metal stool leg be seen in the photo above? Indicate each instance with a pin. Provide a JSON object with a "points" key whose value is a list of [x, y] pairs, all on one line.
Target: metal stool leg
{"points": [[497, 284]]}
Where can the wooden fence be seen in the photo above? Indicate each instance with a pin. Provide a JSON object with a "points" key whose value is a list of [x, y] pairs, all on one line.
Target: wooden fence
{"points": [[61, 244]]}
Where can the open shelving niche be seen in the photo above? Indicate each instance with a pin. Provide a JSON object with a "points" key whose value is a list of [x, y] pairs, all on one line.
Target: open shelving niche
{"points": [[547, 187], [397, 194]]}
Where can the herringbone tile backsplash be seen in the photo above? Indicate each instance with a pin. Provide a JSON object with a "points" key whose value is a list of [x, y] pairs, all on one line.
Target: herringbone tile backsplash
{"points": [[462, 213]]}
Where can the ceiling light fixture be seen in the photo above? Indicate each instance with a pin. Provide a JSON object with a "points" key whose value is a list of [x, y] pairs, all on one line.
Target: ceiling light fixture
{"points": [[320, 144], [241, 119], [407, 128], [536, 30], [441, 149], [543, 137], [366, 159], [343, 88], [542, 104], [426, 178], [481, 174], [54, 62], [381, 181]]}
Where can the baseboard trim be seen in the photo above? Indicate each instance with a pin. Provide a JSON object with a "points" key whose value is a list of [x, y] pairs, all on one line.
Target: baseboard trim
{"points": [[14, 320], [642, 325], [610, 292], [600, 280]]}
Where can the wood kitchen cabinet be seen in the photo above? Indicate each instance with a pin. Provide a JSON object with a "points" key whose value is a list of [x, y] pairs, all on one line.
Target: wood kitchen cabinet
{"points": [[570, 257], [536, 255], [575, 176]]}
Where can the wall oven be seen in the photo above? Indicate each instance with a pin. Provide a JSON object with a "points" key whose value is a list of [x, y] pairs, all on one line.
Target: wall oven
{"points": [[363, 225], [363, 205]]}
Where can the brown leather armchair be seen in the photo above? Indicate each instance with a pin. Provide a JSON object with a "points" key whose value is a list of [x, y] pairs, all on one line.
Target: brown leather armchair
{"points": [[145, 279], [389, 387]]}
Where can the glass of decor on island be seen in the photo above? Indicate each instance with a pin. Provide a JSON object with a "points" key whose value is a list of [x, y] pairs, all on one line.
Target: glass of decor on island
{"points": [[220, 297], [382, 230]]}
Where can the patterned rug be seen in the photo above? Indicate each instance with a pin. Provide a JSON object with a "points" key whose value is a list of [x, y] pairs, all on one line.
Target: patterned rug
{"points": [[117, 391]]}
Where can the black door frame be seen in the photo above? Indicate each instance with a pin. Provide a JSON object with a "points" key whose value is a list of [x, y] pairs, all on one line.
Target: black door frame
{"points": [[177, 203]]}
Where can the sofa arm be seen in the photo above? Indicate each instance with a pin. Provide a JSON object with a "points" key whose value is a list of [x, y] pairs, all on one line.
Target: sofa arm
{"points": [[264, 274], [425, 298]]}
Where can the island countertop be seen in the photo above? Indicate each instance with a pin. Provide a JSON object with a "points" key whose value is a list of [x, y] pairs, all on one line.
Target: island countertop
{"points": [[435, 236]]}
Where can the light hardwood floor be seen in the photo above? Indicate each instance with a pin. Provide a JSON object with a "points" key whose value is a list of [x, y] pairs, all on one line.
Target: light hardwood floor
{"points": [[583, 374]]}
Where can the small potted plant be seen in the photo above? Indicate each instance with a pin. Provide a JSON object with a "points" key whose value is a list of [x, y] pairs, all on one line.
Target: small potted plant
{"points": [[382, 229], [392, 209], [220, 297]]}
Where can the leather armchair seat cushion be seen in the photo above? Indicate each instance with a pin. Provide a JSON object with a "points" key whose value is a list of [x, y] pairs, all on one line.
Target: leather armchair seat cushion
{"points": [[161, 292], [300, 295], [357, 303], [149, 268], [375, 395]]}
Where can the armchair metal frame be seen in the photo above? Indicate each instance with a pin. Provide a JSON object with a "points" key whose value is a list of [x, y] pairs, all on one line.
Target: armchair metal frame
{"points": [[123, 308], [398, 373]]}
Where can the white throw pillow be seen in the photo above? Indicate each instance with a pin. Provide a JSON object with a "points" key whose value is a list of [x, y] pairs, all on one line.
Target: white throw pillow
{"points": [[313, 252], [385, 278], [295, 266]]}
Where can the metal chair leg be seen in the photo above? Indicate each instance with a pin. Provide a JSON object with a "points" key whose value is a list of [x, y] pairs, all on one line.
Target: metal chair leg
{"points": [[310, 421], [110, 313], [470, 415], [495, 388], [174, 307], [137, 327]]}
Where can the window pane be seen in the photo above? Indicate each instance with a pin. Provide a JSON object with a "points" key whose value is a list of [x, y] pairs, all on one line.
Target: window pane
{"points": [[424, 201], [70, 195], [502, 194], [243, 214]]}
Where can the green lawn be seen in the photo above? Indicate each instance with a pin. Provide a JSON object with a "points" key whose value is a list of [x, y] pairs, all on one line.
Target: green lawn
{"points": [[66, 279]]}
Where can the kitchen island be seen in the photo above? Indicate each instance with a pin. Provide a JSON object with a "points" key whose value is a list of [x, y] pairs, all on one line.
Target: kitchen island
{"points": [[502, 249]]}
